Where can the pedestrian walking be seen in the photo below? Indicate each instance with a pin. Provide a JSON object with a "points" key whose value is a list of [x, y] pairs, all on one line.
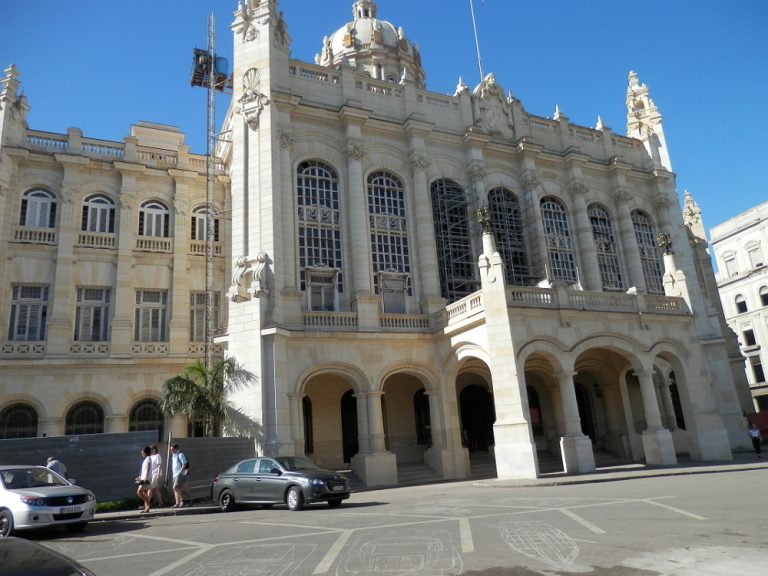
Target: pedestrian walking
{"points": [[180, 469], [754, 435], [156, 476], [144, 479]]}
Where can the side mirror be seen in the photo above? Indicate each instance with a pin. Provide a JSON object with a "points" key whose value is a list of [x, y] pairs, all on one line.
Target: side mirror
{"points": [[72, 481], [275, 471]]}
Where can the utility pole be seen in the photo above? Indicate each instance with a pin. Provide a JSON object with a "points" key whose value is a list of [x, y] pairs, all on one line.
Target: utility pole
{"points": [[210, 72]]}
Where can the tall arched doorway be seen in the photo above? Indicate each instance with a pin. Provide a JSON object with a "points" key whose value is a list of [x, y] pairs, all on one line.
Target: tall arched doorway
{"points": [[349, 425], [585, 411], [477, 418]]}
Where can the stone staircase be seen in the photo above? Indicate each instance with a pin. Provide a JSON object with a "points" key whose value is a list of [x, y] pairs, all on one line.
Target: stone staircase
{"points": [[482, 467]]}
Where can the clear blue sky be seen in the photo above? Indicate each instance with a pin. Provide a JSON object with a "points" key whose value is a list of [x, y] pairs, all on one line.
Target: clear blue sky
{"points": [[102, 66]]}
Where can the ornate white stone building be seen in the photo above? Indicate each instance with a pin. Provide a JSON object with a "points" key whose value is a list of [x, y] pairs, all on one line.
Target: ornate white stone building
{"points": [[415, 277], [740, 246]]}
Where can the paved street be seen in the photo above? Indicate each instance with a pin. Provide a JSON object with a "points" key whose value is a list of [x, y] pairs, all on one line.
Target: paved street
{"points": [[713, 523]]}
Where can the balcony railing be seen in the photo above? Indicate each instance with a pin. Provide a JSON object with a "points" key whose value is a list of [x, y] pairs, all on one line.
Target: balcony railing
{"points": [[34, 235], [96, 239], [150, 244]]}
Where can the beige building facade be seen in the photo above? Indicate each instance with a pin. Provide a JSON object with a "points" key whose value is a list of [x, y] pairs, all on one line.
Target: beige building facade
{"points": [[740, 247], [413, 277]]}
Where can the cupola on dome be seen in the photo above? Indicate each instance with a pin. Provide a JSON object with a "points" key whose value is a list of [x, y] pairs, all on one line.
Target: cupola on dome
{"points": [[374, 47]]}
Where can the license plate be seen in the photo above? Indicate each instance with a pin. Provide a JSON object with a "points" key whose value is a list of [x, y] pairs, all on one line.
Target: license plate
{"points": [[69, 510], [337, 488]]}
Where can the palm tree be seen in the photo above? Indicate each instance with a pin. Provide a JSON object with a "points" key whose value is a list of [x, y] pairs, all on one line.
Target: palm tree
{"points": [[202, 393]]}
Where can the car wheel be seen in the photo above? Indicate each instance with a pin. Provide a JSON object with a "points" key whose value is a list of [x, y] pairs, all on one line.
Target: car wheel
{"points": [[226, 501], [76, 527], [6, 523], [335, 503], [295, 499]]}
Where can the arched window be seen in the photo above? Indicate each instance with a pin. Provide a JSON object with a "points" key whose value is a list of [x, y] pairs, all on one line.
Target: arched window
{"points": [[38, 209], [649, 252], [319, 218], [562, 265], [154, 219], [605, 248], [507, 225], [18, 421], [741, 304], [198, 227], [764, 295], [456, 263], [85, 417], [98, 214], [145, 416], [389, 240]]}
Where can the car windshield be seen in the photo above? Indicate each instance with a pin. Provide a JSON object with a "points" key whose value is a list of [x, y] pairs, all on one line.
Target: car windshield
{"points": [[30, 477], [295, 463]]}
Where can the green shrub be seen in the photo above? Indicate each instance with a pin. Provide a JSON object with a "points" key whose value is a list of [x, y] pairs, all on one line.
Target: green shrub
{"points": [[116, 505]]}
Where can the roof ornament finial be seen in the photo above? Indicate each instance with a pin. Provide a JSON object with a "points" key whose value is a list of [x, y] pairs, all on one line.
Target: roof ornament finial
{"points": [[364, 9]]}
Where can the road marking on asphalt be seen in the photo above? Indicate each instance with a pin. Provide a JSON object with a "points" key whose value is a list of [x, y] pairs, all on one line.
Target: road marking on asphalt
{"points": [[673, 509], [465, 530], [135, 554], [181, 561], [333, 552], [586, 523]]}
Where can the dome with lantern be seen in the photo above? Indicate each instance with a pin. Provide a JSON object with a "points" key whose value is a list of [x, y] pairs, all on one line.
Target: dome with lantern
{"points": [[374, 47]]}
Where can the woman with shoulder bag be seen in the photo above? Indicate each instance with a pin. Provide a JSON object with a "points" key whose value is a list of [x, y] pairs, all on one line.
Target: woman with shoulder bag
{"points": [[144, 491]]}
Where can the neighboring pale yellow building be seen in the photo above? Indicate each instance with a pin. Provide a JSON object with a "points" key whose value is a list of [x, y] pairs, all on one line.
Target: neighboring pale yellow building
{"points": [[415, 278]]}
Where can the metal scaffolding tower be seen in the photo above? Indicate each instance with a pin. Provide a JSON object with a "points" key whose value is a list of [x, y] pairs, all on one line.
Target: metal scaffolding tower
{"points": [[210, 71]]}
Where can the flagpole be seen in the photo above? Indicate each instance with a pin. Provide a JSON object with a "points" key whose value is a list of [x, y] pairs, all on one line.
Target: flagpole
{"points": [[477, 42]]}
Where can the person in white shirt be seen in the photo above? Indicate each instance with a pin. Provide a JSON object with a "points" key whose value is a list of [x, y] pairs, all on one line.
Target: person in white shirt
{"points": [[57, 466], [754, 435], [156, 476]]}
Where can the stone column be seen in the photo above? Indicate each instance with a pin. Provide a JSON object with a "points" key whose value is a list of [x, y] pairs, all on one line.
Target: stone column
{"points": [[121, 327], [426, 247], [60, 328], [446, 456], [365, 301], [297, 423], [629, 246], [178, 326], [377, 467], [575, 447], [535, 227], [590, 271], [657, 440], [363, 433]]}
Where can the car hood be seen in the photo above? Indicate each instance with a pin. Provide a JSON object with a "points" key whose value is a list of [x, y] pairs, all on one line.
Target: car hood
{"points": [[50, 491], [318, 473]]}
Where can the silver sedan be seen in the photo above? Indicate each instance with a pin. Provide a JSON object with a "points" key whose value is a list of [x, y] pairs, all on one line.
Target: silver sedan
{"points": [[36, 497]]}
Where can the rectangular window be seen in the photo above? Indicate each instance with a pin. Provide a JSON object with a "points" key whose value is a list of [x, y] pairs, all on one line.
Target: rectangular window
{"points": [[29, 311], [755, 258], [393, 290], [731, 268], [757, 369], [92, 315], [321, 291], [151, 318], [749, 338], [197, 315]]}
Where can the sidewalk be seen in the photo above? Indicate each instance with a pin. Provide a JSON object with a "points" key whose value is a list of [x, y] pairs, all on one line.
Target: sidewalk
{"points": [[741, 462]]}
